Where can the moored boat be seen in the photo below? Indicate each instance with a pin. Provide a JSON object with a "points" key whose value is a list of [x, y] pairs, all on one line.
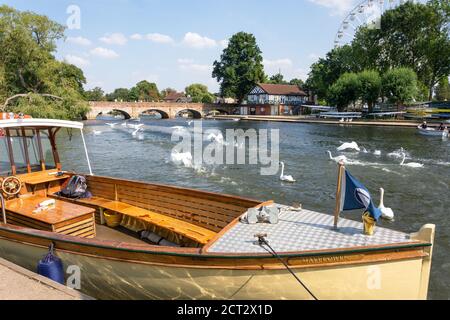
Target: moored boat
{"points": [[178, 243], [432, 132]]}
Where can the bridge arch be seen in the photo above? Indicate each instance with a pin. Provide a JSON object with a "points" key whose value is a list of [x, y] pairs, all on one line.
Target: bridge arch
{"points": [[195, 114], [217, 111], [125, 114], [163, 114]]}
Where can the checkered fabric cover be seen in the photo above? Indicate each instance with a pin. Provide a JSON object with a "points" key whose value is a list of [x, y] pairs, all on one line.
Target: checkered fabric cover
{"points": [[303, 231]]}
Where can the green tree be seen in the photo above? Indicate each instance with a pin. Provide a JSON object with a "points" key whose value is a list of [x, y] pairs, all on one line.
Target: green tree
{"points": [[298, 82], [325, 72], [95, 94], [144, 91], [399, 85], [412, 35], [443, 90], [345, 90], [119, 94], [369, 87], [277, 79], [240, 66], [29, 71], [199, 93]]}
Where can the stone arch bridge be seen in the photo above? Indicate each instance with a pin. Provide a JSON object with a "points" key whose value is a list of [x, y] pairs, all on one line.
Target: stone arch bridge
{"points": [[167, 110]]}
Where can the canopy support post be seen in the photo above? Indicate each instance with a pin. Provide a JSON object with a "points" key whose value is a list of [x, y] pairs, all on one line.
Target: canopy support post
{"points": [[337, 210], [86, 152], [11, 152], [3, 207], [25, 149]]}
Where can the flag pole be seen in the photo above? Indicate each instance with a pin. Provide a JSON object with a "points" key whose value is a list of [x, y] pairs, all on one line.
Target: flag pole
{"points": [[337, 210]]}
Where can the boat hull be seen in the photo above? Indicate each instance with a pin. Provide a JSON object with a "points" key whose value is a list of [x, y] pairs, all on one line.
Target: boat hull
{"points": [[389, 274], [433, 133]]}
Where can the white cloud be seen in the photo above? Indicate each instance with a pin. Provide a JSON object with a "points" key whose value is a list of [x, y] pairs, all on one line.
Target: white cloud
{"points": [[287, 68], [136, 36], [278, 63], [223, 43], [314, 56], [114, 38], [185, 61], [339, 7], [75, 60], [140, 76], [190, 65], [196, 67], [301, 74], [104, 53], [197, 41], [159, 38], [79, 41]]}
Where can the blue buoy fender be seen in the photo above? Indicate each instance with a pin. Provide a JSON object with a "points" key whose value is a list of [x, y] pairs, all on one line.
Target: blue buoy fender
{"points": [[50, 266]]}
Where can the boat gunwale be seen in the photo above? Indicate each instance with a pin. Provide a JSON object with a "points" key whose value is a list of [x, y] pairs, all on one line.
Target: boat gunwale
{"points": [[194, 252]]}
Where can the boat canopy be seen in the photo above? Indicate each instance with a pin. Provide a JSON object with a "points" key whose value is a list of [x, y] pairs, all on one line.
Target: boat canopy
{"points": [[29, 142], [42, 123]]}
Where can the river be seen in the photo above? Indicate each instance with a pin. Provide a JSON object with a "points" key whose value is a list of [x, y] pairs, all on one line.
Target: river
{"points": [[417, 195]]}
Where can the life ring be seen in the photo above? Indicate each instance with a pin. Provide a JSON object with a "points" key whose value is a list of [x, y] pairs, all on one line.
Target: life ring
{"points": [[6, 115]]}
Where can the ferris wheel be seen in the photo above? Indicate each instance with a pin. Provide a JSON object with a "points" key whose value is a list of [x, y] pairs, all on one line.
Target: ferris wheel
{"points": [[367, 13]]}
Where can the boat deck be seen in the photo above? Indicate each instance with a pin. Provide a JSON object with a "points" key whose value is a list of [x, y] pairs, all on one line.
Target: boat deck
{"points": [[303, 230]]}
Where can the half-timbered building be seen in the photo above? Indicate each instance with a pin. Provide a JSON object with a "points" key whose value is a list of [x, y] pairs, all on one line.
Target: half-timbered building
{"points": [[274, 99]]}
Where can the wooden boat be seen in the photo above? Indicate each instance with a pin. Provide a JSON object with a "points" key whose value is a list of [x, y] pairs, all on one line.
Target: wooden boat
{"points": [[432, 132], [204, 250]]}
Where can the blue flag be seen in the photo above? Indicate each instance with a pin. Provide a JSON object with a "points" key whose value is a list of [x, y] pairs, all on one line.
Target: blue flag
{"points": [[356, 196]]}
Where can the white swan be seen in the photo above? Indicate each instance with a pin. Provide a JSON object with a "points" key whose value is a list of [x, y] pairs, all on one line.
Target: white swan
{"points": [[283, 177], [182, 158], [386, 213], [96, 132], [349, 145], [190, 122], [135, 132], [410, 164], [136, 126], [338, 158]]}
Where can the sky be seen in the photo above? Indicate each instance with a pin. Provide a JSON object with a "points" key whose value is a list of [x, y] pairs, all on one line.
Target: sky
{"points": [[174, 43]]}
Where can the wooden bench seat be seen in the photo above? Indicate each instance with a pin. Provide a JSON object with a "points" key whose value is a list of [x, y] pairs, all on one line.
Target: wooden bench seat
{"points": [[188, 230], [94, 201], [196, 233], [184, 216]]}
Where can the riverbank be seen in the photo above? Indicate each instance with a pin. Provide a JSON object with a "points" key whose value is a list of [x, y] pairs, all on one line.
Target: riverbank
{"points": [[303, 119], [21, 284]]}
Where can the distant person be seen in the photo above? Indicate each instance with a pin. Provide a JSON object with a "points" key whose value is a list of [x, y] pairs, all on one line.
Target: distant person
{"points": [[424, 125], [441, 127]]}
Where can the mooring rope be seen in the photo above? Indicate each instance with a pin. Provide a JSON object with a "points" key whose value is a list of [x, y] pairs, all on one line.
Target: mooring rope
{"points": [[262, 241]]}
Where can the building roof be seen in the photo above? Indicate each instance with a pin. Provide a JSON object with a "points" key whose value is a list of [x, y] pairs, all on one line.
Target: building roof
{"points": [[174, 96], [282, 89]]}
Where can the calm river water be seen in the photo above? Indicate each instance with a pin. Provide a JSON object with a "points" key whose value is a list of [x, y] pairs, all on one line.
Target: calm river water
{"points": [[417, 196]]}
